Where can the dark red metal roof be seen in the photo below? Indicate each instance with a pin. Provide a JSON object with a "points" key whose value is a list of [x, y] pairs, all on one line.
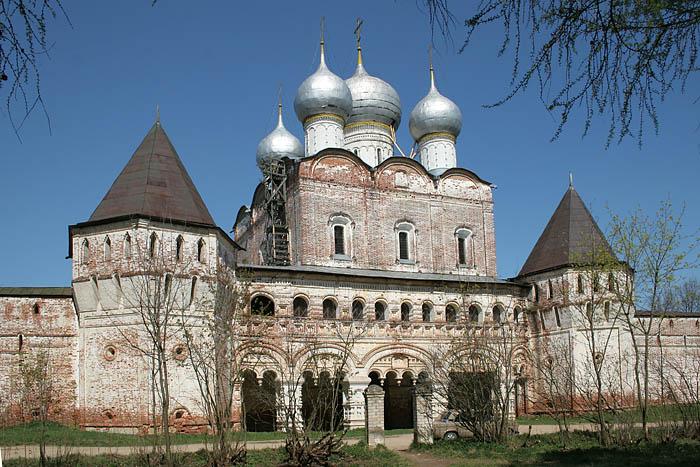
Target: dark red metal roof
{"points": [[568, 239], [154, 183]]}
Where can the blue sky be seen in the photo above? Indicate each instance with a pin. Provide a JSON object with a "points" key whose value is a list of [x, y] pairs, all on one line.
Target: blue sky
{"points": [[214, 69]]}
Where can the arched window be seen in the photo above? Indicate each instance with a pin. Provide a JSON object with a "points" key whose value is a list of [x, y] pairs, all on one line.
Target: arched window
{"points": [[379, 155], [358, 309], [497, 314], [405, 312], [536, 290], [557, 317], [201, 251], [85, 252], [108, 249], [179, 246], [153, 245], [379, 311], [473, 314], [356, 152], [465, 247], [35, 308], [450, 313], [579, 283], [329, 309], [516, 314], [300, 307], [550, 290], [341, 237], [262, 305], [20, 342], [611, 282], [405, 242], [127, 246], [606, 311], [589, 310], [193, 290], [427, 311], [596, 282]]}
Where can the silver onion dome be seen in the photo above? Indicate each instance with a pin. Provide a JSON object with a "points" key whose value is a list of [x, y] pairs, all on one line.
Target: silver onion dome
{"points": [[278, 144], [372, 98], [434, 113], [323, 93]]}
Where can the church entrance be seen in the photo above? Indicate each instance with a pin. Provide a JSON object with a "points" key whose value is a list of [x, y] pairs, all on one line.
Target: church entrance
{"points": [[322, 402], [398, 400], [258, 399]]}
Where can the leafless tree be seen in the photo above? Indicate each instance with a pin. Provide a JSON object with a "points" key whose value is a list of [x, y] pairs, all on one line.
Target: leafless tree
{"points": [[155, 285], [24, 40], [682, 384], [610, 58], [214, 338], [655, 249], [476, 374]]}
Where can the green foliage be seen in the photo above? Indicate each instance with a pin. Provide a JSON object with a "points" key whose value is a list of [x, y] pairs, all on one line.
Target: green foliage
{"points": [[582, 449]]}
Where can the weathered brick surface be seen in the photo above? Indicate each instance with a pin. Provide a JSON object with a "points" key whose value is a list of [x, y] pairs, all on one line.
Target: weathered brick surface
{"points": [[39, 324]]}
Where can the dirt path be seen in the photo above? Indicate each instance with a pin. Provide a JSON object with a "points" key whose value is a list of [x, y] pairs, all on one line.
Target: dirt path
{"points": [[421, 458]]}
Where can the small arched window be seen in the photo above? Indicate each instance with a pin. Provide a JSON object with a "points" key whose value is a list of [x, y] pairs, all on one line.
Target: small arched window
{"points": [[606, 311], [589, 310], [193, 290], [497, 314], [611, 282], [450, 313], [465, 247], [356, 152], [127, 246], [300, 307], [379, 311], [596, 282], [179, 247], [516, 315], [329, 309], [85, 251], [550, 290], [35, 308], [405, 241], [473, 314], [579, 284], [20, 342], [341, 237], [168, 284], [427, 311], [358, 309], [108, 249], [201, 251], [536, 290], [153, 245], [557, 317], [405, 312], [262, 305]]}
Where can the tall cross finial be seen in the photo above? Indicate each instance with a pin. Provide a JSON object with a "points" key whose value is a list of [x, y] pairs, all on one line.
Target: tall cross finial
{"points": [[432, 70], [357, 32], [571, 180], [157, 114], [279, 105], [323, 41]]}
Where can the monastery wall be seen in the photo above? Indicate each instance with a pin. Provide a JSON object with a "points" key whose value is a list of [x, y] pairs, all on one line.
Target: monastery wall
{"points": [[31, 325]]}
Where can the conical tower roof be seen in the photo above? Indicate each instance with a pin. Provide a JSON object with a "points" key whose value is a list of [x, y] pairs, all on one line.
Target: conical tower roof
{"points": [[154, 184], [571, 236]]}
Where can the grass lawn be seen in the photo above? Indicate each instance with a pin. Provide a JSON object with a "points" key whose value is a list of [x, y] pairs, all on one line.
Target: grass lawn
{"points": [[654, 414], [547, 450], [62, 435], [358, 455]]}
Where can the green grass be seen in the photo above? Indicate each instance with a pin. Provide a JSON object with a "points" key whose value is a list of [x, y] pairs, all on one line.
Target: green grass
{"points": [[582, 449], [358, 455], [62, 435], [654, 414]]}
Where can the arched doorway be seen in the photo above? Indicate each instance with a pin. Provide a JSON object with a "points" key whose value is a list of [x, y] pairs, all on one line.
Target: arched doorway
{"points": [[398, 400], [258, 400], [322, 401]]}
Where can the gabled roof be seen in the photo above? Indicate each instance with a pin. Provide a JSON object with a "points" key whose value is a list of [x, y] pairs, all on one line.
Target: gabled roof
{"points": [[154, 183], [571, 235]]}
